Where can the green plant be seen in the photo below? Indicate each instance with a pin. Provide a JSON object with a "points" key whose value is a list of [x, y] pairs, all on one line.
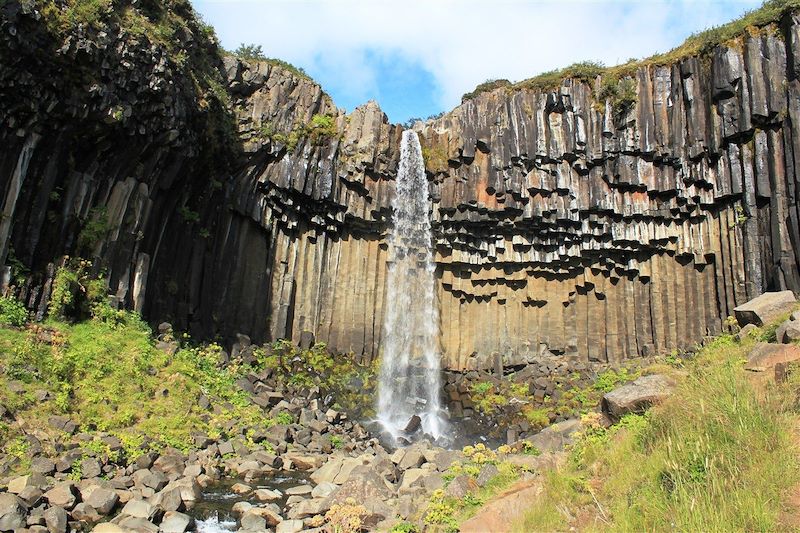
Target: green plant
{"points": [[188, 215], [286, 418], [337, 442], [12, 312], [487, 86], [404, 527], [75, 290], [252, 52], [619, 92]]}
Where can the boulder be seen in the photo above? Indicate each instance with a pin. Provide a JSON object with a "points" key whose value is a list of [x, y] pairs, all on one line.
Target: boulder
{"points": [[765, 356], [460, 486], [103, 500], [13, 512], [266, 495], [18, 484], [175, 522], [323, 490], [366, 487], [140, 509], [299, 490], [251, 521], [765, 308], [62, 495], [410, 476], [84, 512], [638, 396], [56, 519], [555, 437], [290, 526]]}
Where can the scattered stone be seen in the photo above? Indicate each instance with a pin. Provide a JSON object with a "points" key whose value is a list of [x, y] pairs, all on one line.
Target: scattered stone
{"points": [[85, 513], [460, 486], [62, 495], [12, 512], [241, 488], [765, 356], [323, 490], [56, 519], [638, 396], [140, 509], [765, 308], [267, 495], [300, 490], [175, 522], [290, 526], [103, 500], [253, 522]]}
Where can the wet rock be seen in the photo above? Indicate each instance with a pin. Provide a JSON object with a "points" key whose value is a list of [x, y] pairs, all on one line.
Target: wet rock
{"points": [[241, 488], [765, 308], [414, 425], [638, 396]]}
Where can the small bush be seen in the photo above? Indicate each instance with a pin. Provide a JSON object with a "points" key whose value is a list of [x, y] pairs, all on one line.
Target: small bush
{"points": [[250, 52], [12, 312]]}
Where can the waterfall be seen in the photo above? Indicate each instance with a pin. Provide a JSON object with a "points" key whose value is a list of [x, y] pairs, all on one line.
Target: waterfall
{"points": [[410, 380]]}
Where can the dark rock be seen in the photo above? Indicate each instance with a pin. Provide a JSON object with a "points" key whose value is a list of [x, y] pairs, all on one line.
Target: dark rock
{"points": [[414, 424]]}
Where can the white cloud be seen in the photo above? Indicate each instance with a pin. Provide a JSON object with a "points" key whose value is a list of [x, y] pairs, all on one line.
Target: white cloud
{"points": [[461, 42]]}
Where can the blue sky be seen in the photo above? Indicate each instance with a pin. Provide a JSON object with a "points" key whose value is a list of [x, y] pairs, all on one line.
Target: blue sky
{"points": [[417, 57]]}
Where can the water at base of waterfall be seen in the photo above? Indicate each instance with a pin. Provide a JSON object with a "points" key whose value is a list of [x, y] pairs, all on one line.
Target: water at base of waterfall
{"points": [[410, 375]]}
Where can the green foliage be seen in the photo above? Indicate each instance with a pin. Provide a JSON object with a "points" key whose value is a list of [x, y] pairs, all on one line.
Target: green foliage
{"points": [[611, 379], [337, 442], [487, 86], [717, 456], [441, 511], [404, 527], [76, 291], [188, 215], [321, 128], [12, 312], [619, 92], [286, 418], [250, 52], [586, 71], [95, 228]]}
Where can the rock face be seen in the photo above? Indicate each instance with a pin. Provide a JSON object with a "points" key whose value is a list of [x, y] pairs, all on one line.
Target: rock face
{"points": [[562, 225]]}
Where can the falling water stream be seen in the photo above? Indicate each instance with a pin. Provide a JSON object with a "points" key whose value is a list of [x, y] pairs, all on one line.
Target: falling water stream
{"points": [[410, 380]]}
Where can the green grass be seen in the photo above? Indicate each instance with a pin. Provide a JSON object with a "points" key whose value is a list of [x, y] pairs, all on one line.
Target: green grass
{"points": [[717, 456]]}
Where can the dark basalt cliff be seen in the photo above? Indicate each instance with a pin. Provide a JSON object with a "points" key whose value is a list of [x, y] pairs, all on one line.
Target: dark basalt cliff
{"points": [[563, 225]]}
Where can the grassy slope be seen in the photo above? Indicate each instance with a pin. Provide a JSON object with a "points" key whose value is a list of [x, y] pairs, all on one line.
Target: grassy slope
{"points": [[109, 377], [718, 456]]}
